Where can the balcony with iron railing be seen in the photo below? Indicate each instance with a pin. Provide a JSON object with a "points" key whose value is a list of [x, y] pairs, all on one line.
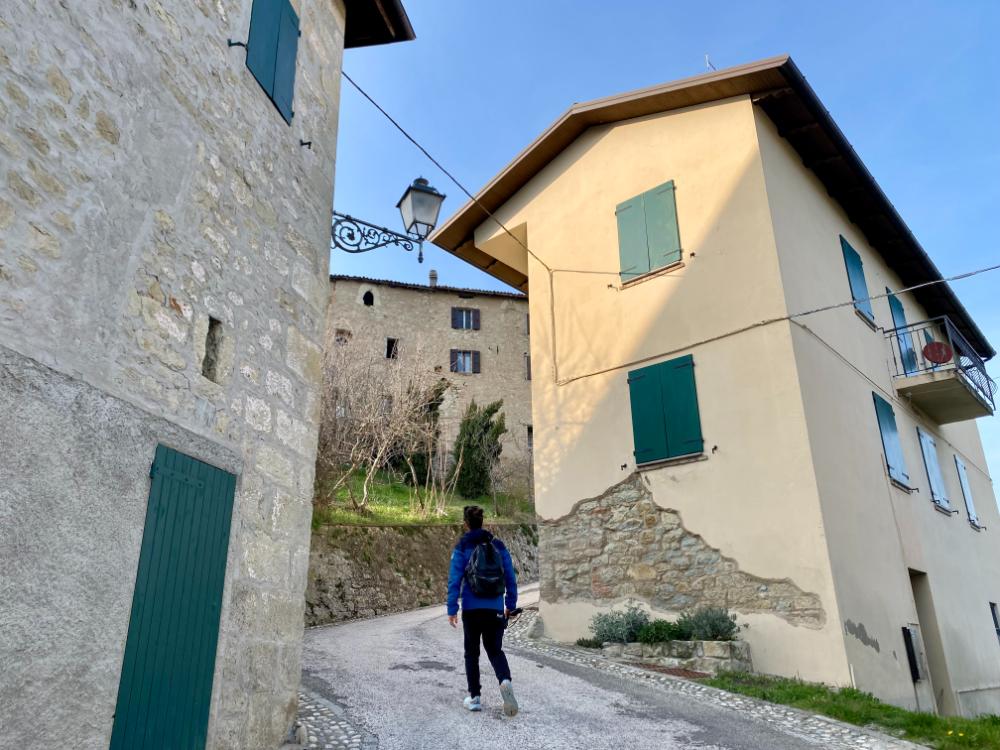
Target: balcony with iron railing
{"points": [[938, 370]]}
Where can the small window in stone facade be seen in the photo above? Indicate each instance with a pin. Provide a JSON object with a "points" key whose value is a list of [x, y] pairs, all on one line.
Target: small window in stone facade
{"points": [[391, 348], [213, 347], [464, 361], [465, 318], [341, 337], [531, 439], [368, 298], [527, 366]]}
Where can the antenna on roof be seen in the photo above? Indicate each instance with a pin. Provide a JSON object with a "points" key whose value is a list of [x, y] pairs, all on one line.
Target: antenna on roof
{"points": [[708, 63]]}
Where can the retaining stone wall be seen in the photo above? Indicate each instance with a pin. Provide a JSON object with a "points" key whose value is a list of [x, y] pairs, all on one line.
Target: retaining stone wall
{"points": [[701, 656], [367, 571]]}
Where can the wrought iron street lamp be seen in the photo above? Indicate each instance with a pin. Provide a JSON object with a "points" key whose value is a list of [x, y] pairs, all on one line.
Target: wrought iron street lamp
{"points": [[419, 207]]}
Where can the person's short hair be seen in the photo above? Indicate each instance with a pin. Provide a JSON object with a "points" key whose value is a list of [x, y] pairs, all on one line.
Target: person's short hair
{"points": [[473, 516]]}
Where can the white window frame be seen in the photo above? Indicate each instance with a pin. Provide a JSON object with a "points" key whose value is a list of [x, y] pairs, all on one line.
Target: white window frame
{"points": [[463, 361]]}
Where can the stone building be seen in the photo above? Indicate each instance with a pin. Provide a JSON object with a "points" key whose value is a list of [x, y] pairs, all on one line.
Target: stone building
{"points": [[165, 207], [698, 440], [476, 339]]}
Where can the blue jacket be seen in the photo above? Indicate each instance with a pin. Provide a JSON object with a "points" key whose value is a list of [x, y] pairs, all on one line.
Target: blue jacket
{"points": [[456, 578]]}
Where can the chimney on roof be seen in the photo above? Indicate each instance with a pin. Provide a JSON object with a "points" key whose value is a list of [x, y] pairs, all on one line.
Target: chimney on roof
{"points": [[433, 278]]}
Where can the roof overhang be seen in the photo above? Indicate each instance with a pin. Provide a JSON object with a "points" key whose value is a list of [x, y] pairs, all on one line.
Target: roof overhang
{"points": [[778, 87], [371, 22]]}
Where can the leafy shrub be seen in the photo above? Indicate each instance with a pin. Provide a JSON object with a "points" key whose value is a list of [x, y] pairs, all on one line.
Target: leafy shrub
{"points": [[659, 631], [708, 624], [477, 448], [619, 626], [589, 642]]}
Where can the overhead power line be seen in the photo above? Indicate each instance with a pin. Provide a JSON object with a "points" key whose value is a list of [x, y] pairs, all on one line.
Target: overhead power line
{"points": [[551, 272]]}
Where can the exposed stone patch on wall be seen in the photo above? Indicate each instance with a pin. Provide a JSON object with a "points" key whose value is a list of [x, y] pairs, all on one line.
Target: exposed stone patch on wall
{"points": [[366, 571], [622, 545]]}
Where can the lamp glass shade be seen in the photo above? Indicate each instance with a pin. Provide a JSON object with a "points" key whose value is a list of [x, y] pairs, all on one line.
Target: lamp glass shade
{"points": [[419, 207]]}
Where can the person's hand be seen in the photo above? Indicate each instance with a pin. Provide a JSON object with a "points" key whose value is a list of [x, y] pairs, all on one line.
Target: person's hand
{"points": [[453, 620], [506, 612]]}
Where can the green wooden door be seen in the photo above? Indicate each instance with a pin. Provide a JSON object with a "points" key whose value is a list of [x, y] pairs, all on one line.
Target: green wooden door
{"points": [[166, 679]]}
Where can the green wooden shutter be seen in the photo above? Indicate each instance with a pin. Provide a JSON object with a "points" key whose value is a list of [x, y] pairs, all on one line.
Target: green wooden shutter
{"points": [[963, 479], [891, 446], [165, 689], [475, 362], [649, 432], [284, 67], [632, 248], [902, 337], [262, 43], [856, 278], [662, 236], [680, 407], [929, 450]]}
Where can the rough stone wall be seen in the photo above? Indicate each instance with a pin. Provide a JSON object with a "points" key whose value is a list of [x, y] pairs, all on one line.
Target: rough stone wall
{"points": [[366, 571], [147, 183], [623, 545], [421, 319]]}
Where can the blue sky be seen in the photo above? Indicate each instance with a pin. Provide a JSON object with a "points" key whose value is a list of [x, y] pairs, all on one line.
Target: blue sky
{"points": [[915, 86]]}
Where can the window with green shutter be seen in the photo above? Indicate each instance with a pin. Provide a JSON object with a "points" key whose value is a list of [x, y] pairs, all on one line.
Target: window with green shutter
{"points": [[665, 418], [963, 480], [929, 450], [856, 278], [648, 235], [891, 446], [272, 47]]}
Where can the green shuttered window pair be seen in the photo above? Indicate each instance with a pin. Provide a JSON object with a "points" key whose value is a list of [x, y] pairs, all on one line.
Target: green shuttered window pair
{"points": [[271, 51], [665, 418], [856, 278], [891, 446], [929, 449], [648, 237]]}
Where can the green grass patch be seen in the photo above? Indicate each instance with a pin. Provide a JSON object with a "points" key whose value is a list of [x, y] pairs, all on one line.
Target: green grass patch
{"points": [[862, 709], [395, 503]]}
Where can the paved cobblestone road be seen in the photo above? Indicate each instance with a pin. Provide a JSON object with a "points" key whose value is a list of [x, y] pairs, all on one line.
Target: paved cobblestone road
{"points": [[397, 682]]}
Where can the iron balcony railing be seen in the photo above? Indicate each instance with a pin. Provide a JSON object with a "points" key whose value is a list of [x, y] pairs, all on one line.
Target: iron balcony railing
{"points": [[935, 345]]}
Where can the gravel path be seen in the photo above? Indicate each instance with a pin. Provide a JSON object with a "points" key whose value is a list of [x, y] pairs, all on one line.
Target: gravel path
{"points": [[397, 682]]}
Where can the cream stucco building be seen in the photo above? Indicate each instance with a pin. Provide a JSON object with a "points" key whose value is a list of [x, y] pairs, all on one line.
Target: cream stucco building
{"points": [[474, 338], [698, 440]]}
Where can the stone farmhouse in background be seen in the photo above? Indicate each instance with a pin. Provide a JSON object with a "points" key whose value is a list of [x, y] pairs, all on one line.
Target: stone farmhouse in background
{"points": [[697, 441], [165, 214], [478, 340]]}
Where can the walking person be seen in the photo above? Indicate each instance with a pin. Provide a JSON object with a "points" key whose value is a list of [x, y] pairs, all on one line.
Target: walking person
{"points": [[482, 576]]}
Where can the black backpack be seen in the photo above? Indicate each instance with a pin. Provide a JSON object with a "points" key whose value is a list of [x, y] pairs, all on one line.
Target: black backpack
{"points": [[484, 571]]}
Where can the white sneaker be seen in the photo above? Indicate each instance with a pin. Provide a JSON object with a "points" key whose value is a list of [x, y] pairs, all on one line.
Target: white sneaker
{"points": [[509, 701], [473, 704]]}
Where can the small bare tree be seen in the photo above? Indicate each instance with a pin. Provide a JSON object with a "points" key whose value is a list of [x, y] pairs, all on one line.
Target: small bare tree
{"points": [[376, 410]]}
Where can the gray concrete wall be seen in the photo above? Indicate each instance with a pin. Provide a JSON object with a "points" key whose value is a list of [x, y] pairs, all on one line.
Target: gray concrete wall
{"points": [[147, 183], [74, 481]]}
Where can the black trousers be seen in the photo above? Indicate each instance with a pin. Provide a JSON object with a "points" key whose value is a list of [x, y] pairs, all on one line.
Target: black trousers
{"points": [[486, 625]]}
